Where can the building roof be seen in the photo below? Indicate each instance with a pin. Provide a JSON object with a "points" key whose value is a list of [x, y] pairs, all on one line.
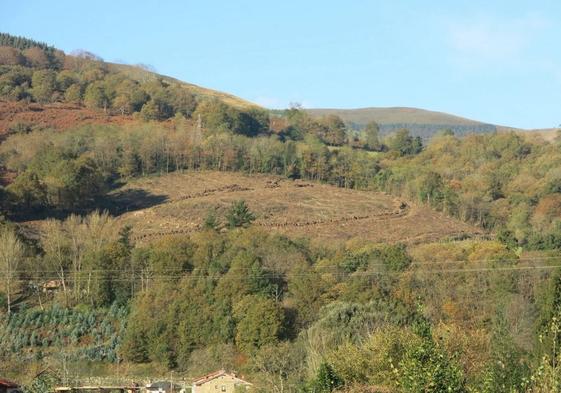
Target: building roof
{"points": [[209, 377], [8, 384], [165, 385]]}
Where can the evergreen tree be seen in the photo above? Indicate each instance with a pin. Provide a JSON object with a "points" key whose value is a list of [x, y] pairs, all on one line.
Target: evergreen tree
{"points": [[211, 220], [239, 215], [134, 346]]}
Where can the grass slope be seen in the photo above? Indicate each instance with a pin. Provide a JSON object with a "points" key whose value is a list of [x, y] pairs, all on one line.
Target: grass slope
{"points": [[363, 116]]}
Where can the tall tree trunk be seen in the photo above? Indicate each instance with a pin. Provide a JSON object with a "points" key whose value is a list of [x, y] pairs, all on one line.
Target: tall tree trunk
{"points": [[8, 294], [64, 289]]}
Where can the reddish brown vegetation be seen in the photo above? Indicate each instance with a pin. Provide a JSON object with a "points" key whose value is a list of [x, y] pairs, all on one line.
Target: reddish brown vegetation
{"points": [[58, 116]]}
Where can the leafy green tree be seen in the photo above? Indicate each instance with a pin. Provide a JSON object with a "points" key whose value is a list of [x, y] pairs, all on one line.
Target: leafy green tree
{"points": [[546, 377], [427, 368], [506, 371], [29, 191], [334, 133], [431, 189], [43, 85], [182, 100], [74, 183], [395, 257], [259, 322], [247, 276], [215, 116], [15, 83], [93, 71], [37, 57], [251, 122], [73, 94], [404, 143], [122, 102], [137, 98], [326, 380], [65, 79], [239, 215], [11, 256], [95, 96], [306, 290], [10, 56], [45, 381], [372, 136], [549, 317], [150, 111], [507, 237]]}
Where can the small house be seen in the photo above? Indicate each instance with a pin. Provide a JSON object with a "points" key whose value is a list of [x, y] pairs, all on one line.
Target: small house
{"points": [[220, 381], [8, 386], [163, 387]]}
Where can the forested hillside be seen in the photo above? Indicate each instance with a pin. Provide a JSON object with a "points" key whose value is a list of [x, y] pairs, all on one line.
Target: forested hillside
{"points": [[318, 310]]}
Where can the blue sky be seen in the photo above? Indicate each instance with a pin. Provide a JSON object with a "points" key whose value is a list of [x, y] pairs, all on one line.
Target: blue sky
{"points": [[495, 61]]}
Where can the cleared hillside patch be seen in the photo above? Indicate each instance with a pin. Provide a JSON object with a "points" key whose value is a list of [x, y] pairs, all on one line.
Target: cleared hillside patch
{"points": [[296, 208]]}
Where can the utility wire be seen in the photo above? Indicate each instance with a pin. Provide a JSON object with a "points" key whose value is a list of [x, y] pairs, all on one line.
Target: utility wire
{"points": [[319, 267]]}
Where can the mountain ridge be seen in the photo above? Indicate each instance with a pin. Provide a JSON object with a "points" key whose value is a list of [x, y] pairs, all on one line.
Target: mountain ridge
{"points": [[420, 122], [386, 115]]}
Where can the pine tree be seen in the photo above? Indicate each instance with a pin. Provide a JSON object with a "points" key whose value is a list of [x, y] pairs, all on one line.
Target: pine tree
{"points": [[239, 215], [211, 221]]}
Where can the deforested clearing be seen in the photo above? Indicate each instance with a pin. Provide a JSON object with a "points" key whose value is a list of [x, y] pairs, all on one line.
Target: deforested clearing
{"points": [[293, 207]]}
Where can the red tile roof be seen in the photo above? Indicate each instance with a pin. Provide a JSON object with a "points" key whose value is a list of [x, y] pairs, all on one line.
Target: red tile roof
{"points": [[8, 384], [209, 377]]}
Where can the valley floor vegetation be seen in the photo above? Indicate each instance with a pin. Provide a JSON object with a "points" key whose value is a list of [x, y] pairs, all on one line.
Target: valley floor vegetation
{"points": [[458, 316]]}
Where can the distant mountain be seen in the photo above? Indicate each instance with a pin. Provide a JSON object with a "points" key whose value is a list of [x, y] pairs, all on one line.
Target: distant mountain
{"points": [[419, 122]]}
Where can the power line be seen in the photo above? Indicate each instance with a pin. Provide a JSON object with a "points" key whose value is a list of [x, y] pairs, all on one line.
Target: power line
{"points": [[316, 266], [302, 274]]}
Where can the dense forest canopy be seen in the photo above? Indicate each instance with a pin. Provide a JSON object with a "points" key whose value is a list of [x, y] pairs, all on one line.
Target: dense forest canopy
{"points": [[23, 43], [459, 315]]}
